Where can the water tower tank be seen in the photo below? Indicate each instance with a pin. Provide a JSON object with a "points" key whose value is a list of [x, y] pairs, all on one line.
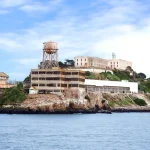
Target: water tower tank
{"points": [[50, 47]]}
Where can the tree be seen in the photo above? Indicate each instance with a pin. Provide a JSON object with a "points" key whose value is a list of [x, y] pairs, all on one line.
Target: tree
{"points": [[128, 68], [20, 85], [87, 73], [69, 62], [61, 64], [28, 78], [142, 75]]}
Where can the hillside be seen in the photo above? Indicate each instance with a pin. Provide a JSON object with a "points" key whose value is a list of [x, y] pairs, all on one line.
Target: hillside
{"points": [[118, 75]]}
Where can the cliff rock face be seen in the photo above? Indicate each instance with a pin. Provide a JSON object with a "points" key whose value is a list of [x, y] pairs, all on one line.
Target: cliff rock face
{"points": [[74, 101]]}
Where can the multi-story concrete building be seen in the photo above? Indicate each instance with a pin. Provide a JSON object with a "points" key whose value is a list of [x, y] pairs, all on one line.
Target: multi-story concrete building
{"points": [[56, 80], [119, 64], [86, 62]]}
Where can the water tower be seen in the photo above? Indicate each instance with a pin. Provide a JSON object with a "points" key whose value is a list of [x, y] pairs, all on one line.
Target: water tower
{"points": [[50, 55]]}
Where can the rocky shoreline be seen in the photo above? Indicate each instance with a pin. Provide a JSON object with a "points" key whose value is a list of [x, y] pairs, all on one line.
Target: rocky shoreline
{"points": [[19, 110], [96, 103]]}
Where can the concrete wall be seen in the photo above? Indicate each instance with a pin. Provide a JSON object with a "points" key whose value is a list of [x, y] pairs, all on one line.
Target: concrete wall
{"points": [[119, 64], [85, 61], [132, 85], [94, 70]]}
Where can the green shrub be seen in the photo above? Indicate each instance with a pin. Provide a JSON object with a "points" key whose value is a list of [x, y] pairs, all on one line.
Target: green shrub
{"points": [[11, 96], [87, 73], [140, 102]]}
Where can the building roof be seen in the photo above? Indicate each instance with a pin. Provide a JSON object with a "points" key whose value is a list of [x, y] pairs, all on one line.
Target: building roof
{"points": [[2, 74]]}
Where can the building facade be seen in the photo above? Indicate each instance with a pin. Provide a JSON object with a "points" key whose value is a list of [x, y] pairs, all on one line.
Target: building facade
{"points": [[3, 78], [4, 81], [56, 80], [86, 62], [95, 62], [103, 86], [119, 64]]}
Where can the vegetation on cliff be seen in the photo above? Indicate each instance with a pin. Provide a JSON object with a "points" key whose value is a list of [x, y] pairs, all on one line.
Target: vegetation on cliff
{"points": [[118, 75], [13, 95], [140, 102]]}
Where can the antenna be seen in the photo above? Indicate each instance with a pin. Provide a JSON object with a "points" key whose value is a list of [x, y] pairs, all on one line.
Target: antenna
{"points": [[113, 55]]}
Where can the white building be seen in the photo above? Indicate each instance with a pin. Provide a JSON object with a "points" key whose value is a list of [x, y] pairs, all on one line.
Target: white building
{"points": [[119, 64], [95, 62], [86, 62], [112, 86], [33, 90]]}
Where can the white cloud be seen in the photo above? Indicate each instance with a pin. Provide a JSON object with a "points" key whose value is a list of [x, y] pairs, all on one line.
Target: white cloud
{"points": [[122, 28], [41, 7], [12, 3], [34, 8], [2, 12], [28, 61]]}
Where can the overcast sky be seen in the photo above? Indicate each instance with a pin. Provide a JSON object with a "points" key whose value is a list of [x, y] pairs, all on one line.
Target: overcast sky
{"points": [[81, 28]]}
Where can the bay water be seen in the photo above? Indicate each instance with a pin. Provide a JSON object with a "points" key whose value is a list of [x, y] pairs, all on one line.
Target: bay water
{"points": [[116, 131]]}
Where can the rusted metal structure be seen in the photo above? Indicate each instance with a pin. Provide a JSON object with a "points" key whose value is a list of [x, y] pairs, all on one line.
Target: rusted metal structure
{"points": [[50, 55]]}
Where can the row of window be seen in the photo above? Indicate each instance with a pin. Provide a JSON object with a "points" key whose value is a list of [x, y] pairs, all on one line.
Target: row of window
{"points": [[81, 59], [60, 73], [114, 66], [49, 91], [114, 62], [62, 79], [91, 64], [59, 85], [57, 72]]}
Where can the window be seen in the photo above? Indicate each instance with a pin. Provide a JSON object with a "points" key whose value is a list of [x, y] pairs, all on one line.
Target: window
{"points": [[34, 84], [41, 84], [41, 78], [77, 64], [49, 72], [85, 59], [63, 85], [51, 85], [75, 73], [41, 72], [81, 59], [81, 64], [77, 59], [34, 78], [73, 85], [67, 73], [54, 78], [34, 72], [56, 72]]}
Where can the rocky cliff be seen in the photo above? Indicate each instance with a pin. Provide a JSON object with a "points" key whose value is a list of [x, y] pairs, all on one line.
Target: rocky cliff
{"points": [[71, 103]]}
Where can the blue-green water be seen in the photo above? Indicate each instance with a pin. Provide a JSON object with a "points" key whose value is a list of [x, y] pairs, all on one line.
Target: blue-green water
{"points": [[117, 131]]}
